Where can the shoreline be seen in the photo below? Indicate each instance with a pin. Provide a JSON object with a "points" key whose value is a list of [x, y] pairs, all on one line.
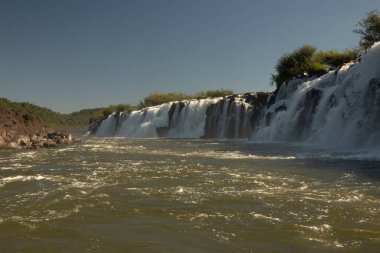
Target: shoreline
{"points": [[37, 141]]}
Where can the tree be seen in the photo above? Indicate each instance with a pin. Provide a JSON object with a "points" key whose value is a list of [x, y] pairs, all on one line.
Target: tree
{"points": [[334, 59], [369, 29], [301, 62]]}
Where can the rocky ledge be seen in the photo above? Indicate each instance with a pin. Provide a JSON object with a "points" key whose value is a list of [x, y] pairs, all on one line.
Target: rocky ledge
{"points": [[20, 129], [34, 141]]}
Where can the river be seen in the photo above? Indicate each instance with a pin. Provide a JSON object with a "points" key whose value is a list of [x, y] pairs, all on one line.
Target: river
{"points": [[168, 195]]}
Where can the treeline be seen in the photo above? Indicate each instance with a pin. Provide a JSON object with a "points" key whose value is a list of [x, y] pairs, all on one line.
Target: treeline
{"points": [[307, 61], [158, 98], [161, 98]]}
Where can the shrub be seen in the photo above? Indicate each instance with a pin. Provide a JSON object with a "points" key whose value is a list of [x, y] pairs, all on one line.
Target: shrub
{"points": [[301, 62], [335, 58], [161, 98], [212, 93], [369, 29], [307, 61]]}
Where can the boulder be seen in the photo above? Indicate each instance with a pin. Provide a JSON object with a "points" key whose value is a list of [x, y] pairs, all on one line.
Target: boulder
{"points": [[3, 144], [49, 143], [13, 145], [23, 140], [3, 132]]}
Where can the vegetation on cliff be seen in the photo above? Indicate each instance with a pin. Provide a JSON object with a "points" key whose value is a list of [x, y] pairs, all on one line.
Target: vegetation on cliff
{"points": [[369, 29], [76, 121], [307, 61], [161, 98]]}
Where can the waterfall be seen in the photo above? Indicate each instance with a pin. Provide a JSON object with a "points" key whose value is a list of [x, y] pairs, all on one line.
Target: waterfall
{"points": [[188, 118], [228, 117], [143, 123], [108, 126], [341, 108]]}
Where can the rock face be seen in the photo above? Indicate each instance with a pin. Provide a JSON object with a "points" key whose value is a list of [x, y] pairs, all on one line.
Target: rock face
{"points": [[22, 130]]}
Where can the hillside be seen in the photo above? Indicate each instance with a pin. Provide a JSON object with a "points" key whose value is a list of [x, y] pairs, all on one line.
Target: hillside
{"points": [[76, 121]]}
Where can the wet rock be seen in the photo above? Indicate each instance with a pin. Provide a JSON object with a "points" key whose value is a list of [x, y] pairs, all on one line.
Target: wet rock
{"points": [[281, 108], [257, 99], [49, 143], [162, 131], [308, 107], [23, 140], [3, 144]]}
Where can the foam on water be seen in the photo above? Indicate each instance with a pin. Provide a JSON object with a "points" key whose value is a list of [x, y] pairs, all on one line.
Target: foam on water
{"points": [[217, 197]]}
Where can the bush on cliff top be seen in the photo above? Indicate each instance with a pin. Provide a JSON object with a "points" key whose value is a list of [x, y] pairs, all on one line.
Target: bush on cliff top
{"points": [[301, 62], [161, 98], [213, 93], [105, 112], [307, 61], [335, 59]]}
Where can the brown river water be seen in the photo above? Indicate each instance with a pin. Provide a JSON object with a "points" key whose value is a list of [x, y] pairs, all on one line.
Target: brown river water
{"points": [[161, 195]]}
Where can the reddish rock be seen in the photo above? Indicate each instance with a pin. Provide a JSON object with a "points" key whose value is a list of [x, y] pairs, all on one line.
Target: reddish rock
{"points": [[21, 129], [3, 144]]}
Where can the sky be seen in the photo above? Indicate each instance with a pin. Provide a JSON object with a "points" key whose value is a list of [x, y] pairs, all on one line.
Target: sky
{"points": [[74, 54]]}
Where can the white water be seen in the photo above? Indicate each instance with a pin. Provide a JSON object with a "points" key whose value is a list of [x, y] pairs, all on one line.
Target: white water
{"points": [[341, 108], [190, 121], [228, 118], [187, 121], [143, 123], [108, 126], [347, 113]]}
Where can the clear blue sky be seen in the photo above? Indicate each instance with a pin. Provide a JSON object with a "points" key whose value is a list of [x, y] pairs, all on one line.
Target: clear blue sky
{"points": [[73, 54]]}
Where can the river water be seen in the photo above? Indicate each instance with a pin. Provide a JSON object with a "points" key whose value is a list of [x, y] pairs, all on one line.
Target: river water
{"points": [[161, 195]]}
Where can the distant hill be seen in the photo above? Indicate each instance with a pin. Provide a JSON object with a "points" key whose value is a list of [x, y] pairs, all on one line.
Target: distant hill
{"points": [[76, 121]]}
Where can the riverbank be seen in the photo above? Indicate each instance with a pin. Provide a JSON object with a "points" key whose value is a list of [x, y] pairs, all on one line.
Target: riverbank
{"points": [[19, 129]]}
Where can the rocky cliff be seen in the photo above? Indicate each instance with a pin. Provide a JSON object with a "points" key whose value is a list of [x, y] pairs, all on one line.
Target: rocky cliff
{"points": [[21, 129]]}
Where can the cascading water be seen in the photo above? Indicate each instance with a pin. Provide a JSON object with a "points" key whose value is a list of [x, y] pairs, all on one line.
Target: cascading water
{"points": [[188, 118], [229, 118], [341, 108], [204, 118], [184, 119], [143, 123]]}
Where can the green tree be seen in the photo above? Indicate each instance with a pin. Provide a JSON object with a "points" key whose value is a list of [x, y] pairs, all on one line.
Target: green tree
{"points": [[369, 29], [300, 62], [334, 59]]}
